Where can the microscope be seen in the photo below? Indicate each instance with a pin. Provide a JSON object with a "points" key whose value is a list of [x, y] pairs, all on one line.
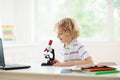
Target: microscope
{"points": [[50, 59]]}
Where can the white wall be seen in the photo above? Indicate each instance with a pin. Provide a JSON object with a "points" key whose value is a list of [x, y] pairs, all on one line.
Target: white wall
{"points": [[0, 19], [100, 52], [21, 15], [104, 51]]}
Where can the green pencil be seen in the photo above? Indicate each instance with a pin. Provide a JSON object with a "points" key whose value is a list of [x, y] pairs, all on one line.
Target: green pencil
{"points": [[101, 72]]}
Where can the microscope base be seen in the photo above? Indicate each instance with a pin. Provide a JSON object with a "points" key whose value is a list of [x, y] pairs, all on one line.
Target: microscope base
{"points": [[46, 64]]}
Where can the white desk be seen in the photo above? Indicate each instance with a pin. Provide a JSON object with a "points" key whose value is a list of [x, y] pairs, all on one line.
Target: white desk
{"points": [[37, 72]]}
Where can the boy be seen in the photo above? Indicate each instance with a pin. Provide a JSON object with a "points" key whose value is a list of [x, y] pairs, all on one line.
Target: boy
{"points": [[73, 51]]}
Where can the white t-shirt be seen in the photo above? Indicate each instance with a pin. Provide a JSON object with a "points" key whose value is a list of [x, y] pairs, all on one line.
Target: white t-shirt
{"points": [[75, 51]]}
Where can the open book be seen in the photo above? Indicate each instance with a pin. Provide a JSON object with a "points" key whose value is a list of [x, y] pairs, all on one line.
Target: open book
{"points": [[98, 67]]}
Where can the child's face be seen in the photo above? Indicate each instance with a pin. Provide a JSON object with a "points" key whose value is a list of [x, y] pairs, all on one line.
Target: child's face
{"points": [[64, 37]]}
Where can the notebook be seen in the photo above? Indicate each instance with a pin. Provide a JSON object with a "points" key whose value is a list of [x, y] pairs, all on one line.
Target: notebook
{"points": [[9, 66], [101, 72]]}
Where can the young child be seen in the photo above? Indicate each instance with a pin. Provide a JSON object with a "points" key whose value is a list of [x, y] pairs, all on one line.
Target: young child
{"points": [[73, 51]]}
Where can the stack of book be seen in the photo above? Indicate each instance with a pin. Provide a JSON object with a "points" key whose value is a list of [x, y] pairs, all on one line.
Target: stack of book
{"points": [[99, 70]]}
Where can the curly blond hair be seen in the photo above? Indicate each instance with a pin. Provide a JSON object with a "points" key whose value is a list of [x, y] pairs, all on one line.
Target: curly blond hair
{"points": [[68, 25]]}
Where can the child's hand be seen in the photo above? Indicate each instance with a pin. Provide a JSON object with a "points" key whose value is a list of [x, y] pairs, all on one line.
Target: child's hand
{"points": [[57, 64], [55, 61]]}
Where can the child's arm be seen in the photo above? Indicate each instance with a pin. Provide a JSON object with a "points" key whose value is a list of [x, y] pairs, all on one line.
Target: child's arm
{"points": [[56, 61], [88, 60]]}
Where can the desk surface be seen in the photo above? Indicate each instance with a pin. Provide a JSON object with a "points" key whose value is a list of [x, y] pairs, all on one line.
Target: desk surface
{"points": [[37, 72]]}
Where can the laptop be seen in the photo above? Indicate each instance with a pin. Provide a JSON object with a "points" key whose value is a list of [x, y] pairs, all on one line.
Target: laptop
{"points": [[9, 66]]}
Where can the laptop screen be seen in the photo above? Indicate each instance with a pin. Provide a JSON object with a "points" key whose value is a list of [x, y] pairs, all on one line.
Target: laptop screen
{"points": [[2, 62]]}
